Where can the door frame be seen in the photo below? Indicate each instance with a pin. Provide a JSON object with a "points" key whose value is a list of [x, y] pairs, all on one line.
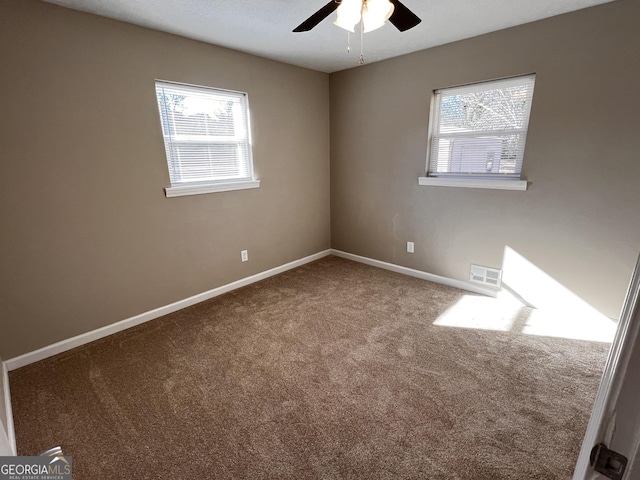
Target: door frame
{"points": [[601, 426]]}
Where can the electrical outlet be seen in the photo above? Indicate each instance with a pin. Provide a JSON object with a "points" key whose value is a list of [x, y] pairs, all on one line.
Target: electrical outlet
{"points": [[244, 255], [410, 247]]}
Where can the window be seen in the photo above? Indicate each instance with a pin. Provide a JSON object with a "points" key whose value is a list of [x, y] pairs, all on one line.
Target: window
{"points": [[206, 137], [478, 134]]}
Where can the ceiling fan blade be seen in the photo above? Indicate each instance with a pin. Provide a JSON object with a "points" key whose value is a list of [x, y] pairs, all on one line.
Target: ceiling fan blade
{"points": [[403, 18], [317, 17]]}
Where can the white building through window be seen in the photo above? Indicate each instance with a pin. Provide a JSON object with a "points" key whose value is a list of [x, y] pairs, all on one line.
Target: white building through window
{"points": [[478, 134], [207, 139]]}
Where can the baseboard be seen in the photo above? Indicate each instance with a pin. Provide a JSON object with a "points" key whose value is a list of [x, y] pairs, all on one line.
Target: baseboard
{"points": [[468, 286], [73, 342], [11, 433]]}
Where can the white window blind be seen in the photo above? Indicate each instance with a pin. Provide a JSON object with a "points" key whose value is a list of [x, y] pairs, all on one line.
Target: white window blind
{"points": [[479, 131], [206, 135]]}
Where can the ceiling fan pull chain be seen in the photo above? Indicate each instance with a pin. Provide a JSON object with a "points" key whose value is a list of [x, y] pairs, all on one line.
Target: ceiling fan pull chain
{"points": [[361, 61], [348, 41]]}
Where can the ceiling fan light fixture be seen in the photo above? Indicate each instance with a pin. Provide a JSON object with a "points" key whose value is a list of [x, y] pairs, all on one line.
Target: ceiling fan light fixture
{"points": [[349, 14], [375, 14]]}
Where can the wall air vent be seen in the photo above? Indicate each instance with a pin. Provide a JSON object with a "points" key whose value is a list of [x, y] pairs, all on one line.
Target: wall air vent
{"points": [[486, 275]]}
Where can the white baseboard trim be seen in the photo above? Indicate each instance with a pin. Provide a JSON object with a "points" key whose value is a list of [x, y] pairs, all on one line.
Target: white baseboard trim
{"points": [[468, 286], [11, 433], [73, 342]]}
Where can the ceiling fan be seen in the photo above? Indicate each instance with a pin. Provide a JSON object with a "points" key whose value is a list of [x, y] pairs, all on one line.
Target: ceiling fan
{"points": [[353, 10]]}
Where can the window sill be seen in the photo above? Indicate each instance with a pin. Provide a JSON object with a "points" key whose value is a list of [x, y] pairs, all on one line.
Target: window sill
{"points": [[218, 187], [474, 183]]}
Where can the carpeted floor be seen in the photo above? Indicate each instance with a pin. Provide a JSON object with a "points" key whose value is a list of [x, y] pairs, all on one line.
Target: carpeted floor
{"points": [[334, 370]]}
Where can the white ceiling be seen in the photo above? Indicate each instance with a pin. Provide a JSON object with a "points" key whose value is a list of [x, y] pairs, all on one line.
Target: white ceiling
{"points": [[264, 27]]}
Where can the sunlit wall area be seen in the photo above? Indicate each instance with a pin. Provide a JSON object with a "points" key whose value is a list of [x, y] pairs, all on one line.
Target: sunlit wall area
{"points": [[557, 310]]}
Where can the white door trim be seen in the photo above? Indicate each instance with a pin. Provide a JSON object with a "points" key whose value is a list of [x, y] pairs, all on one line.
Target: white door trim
{"points": [[8, 413], [602, 422]]}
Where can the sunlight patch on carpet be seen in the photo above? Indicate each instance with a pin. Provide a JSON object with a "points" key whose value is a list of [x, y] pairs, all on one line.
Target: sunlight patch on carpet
{"points": [[556, 323], [484, 313]]}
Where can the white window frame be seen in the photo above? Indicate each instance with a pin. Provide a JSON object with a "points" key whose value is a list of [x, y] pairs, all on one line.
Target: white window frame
{"points": [[489, 180], [181, 182]]}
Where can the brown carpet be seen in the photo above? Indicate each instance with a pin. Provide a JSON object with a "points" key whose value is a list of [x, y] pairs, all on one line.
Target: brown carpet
{"points": [[333, 370]]}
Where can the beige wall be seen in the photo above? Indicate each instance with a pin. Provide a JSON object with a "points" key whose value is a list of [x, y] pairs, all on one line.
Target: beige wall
{"points": [[88, 236], [580, 219]]}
